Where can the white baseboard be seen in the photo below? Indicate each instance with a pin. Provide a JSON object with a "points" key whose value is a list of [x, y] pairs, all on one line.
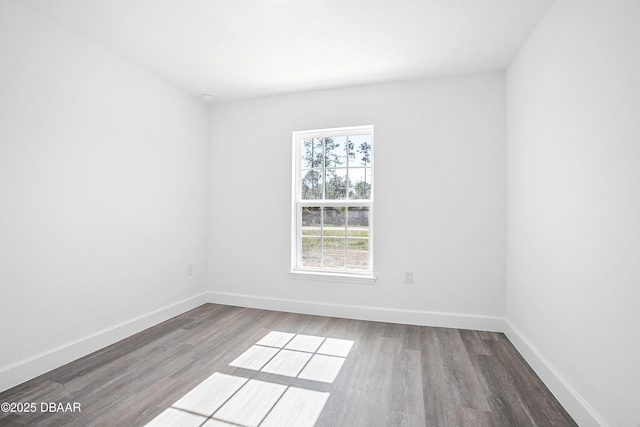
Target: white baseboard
{"points": [[377, 314], [568, 396], [24, 370]]}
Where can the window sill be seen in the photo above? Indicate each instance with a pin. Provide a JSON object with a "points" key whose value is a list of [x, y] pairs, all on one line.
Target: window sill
{"points": [[333, 277]]}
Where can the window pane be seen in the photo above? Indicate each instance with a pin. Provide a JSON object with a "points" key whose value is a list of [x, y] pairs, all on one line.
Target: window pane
{"points": [[311, 252], [336, 185], [311, 185], [331, 231], [335, 151], [334, 217], [334, 252], [359, 219], [360, 183], [312, 153], [311, 220], [358, 244], [360, 150], [358, 257]]}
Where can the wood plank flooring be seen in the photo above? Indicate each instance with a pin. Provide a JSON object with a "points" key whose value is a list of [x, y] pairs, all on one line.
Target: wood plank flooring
{"points": [[316, 370]]}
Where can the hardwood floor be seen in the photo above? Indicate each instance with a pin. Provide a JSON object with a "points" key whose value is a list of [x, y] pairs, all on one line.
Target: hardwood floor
{"points": [[256, 367]]}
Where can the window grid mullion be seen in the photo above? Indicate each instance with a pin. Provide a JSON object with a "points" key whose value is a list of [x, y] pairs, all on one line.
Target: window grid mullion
{"points": [[324, 168], [346, 238], [347, 197], [322, 237], [346, 152]]}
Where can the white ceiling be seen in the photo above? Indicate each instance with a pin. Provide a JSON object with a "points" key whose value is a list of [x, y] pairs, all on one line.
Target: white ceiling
{"points": [[246, 48]]}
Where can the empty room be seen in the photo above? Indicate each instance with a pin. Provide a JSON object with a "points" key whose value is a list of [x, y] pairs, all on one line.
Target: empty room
{"points": [[320, 213]]}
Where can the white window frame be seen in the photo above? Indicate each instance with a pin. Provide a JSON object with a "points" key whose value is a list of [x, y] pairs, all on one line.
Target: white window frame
{"points": [[340, 275]]}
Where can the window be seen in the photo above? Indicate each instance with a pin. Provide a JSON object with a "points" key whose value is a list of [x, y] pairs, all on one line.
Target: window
{"points": [[333, 203]]}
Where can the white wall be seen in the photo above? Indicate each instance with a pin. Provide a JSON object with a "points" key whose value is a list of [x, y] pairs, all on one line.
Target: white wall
{"points": [[440, 162], [102, 196], [573, 103]]}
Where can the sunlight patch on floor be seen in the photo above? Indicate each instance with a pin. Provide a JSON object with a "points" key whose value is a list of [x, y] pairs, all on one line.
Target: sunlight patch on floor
{"points": [[303, 356], [224, 400]]}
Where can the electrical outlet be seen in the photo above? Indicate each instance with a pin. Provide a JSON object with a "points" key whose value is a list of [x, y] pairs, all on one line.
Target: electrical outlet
{"points": [[408, 277], [189, 269]]}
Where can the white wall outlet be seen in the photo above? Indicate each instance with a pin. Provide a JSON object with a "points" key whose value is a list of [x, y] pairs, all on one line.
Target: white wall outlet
{"points": [[189, 269], [408, 277]]}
